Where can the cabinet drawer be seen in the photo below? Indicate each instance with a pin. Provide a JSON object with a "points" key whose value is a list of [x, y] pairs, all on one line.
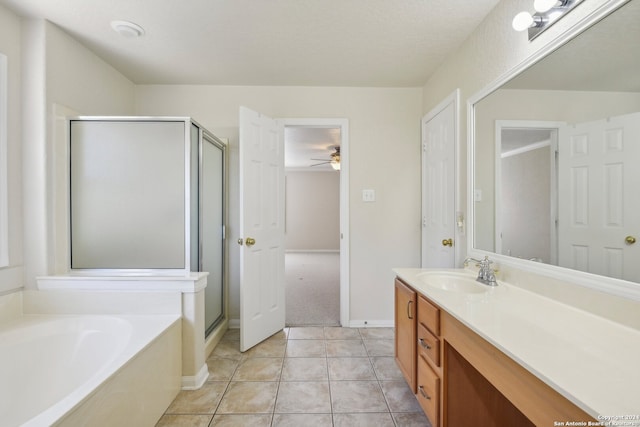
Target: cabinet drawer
{"points": [[428, 391], [429, 315], [428, 345]]}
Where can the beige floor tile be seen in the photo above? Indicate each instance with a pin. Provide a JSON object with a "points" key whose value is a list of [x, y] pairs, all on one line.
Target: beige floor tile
{"points": [[184, 421], [241, 420], [249, 398], [280, 335], [300, 420], [386, 368], [363, 420], [376, 333], [303, 397], [259, 369], [399, 396], [380, 347], [306, 348], [306, 333], [201, 401], [302, 376], [339, 333], [221, 369], [227, 350], [267, 348], [350, 368], [231, 335], [411, 420], [305, 369], [345, 348], [357, 396]]}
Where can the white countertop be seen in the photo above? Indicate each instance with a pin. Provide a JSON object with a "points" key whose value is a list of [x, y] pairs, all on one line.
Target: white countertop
{"points": [[592, 361]]}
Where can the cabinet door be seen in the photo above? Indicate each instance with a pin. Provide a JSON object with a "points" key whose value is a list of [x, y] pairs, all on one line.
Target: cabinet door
{"points": [[405, 336]]}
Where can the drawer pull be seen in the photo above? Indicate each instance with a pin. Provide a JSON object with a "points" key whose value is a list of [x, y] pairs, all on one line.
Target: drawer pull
{"points": [[424, 344], [423, 393], [409, 314]]}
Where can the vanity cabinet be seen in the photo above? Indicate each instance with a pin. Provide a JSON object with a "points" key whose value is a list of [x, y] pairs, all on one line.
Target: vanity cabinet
{"points": [[417, 347], [405, 336], [428, 358], [460, 379]]}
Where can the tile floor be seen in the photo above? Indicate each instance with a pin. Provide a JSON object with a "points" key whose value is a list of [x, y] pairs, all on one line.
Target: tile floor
{"points": [[301, 376]]}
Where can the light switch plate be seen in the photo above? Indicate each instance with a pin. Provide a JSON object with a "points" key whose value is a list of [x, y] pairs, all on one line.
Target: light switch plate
{"points": [[368, 195]]}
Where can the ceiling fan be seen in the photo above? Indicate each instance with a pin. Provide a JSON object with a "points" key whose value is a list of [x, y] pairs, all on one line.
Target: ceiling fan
{"points": [[334, 160]]}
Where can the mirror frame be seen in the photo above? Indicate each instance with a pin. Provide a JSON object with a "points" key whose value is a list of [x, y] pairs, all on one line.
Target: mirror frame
{"points": [[609, 285]]}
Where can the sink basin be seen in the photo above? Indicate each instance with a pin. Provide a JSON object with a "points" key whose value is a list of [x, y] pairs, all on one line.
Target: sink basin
{"points": [[453, 282]]}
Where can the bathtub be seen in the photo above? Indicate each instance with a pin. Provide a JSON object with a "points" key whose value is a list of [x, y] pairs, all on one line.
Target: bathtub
{"points": [[92, 370]]}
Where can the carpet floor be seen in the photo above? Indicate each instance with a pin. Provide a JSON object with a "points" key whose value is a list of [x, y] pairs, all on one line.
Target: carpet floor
{"points": [[312, 289]]}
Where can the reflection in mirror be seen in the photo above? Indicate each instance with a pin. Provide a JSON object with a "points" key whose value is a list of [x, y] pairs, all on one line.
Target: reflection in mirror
{"points": [[556, 154]]}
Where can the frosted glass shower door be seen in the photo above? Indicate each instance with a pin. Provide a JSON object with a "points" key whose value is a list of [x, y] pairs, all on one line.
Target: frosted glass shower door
{"points": [[212, 228], [127, 194]]}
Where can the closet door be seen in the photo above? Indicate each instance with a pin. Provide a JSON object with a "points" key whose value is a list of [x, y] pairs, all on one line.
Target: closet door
{"points": [[127, 194]]}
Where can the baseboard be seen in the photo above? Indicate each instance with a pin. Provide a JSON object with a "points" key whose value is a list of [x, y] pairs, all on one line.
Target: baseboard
{"points": [[235, 324], [197, 381], [371, 324], [215, 337], [312, 251]]}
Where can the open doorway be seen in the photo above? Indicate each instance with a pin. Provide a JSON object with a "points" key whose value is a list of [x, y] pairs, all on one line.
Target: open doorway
{"points": [[314, 178], [526, 189]]}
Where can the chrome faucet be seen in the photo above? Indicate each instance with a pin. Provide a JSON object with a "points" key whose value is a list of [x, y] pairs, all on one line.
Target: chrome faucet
{"points": [[486, 274]]}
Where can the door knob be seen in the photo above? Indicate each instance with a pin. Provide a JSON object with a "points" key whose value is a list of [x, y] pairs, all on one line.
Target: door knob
{"points": [[447, 242], [250, 241], [629, 240]]}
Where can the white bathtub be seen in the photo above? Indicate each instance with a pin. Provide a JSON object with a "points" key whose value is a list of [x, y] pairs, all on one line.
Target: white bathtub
{"points": [[88, 370]]}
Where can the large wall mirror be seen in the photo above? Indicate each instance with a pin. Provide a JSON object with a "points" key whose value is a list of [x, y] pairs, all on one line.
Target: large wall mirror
{"points": [[555, 172]]}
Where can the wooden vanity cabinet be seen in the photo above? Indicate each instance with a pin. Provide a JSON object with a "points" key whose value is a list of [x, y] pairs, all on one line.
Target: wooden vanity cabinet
{"points": [[428, 342], [405, 331], [460, 379], [418, 348]]}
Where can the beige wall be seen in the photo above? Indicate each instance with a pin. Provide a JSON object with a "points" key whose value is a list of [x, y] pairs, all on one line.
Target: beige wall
{"points": [[526, 204], [312, 211], [11, 277], [59, 72], [384, 153]]}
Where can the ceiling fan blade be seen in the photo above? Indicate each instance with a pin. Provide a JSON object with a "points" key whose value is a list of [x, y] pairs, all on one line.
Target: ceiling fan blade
{"points": [[318, 164]]}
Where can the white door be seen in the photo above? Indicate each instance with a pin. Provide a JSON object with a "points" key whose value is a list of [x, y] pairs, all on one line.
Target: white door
{"points": [[438, 188], [599, 207], [261, 228]]}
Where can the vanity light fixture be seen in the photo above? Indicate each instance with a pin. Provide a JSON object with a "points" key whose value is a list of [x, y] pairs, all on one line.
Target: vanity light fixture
{"points": [[127, 29], [547, 13]]}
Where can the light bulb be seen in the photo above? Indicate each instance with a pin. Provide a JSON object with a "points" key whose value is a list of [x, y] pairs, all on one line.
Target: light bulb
{"points": [[544, 5], [522, 21]]}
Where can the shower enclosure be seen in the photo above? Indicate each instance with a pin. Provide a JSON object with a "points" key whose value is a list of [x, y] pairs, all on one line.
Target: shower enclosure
{"points": [[148, 197]]}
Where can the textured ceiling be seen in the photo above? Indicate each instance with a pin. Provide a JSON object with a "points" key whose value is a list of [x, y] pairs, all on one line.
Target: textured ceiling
{"points": [[377, 43]]}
